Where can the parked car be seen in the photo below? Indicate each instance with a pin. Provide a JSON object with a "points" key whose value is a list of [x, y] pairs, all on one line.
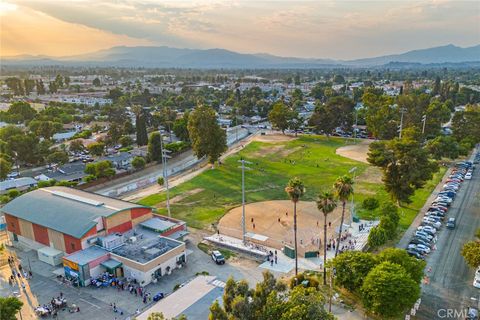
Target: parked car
{"points": [[415, 254], [476, 282], [468, 176], [472, 314], [218, 257]]}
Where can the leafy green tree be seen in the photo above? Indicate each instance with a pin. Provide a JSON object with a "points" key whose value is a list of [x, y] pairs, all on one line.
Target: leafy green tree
{"points": [[326, 203], [9, 307], [160, 181], [280, 116], [45, 129], [471, 253], [114, 133], [140, 125], [15, 85], [216, 312], [352, 267], [155, 147], [40, 87], [337, 112], [28, 85], [370, 203], [295, 189], [104, 169], [58, 157], [465, 124], [96, 148], [125, 141], [443, 147], [343, 187], [180, 127], [388, 291], [23, 109], [382, 116], [405, 165], [377, 237], [413, 266], [138, 163], [207, 137], [76, 146], [5, 168], [96, 82]]}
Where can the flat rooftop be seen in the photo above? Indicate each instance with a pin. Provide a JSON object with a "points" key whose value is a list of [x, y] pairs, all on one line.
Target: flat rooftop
{"points": [[148, 246]]}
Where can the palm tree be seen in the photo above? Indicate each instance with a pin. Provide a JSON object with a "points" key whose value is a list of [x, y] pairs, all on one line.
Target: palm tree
{"points": [[295, 189], [326, 203], [343, 190]]}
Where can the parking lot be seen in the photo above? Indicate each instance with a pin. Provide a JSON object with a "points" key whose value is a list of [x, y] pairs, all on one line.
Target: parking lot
{"points": [[448, 284], [95, 303]]}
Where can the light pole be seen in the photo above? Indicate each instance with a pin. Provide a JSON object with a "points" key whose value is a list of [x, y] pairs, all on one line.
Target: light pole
{"points": [[352, 206], [244, 231], [424, 120], [402, 111], [165, 156], [356, 125]]}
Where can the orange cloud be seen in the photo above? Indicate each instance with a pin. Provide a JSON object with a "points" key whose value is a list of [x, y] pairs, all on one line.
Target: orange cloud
{"points": [[26, 31]]}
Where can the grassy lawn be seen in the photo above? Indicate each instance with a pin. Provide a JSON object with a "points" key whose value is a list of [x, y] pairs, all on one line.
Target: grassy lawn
{"points": [[207, 197]]}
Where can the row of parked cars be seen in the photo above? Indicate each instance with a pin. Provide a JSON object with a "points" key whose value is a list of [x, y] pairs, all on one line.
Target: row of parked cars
{"points": [[425, 236]]}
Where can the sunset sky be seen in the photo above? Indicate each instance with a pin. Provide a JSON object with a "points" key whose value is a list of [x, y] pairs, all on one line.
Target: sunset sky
{"points": [[320, 29]]}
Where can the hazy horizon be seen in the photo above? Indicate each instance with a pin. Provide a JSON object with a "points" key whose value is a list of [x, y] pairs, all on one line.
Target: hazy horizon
{"points": [[323, 29]]}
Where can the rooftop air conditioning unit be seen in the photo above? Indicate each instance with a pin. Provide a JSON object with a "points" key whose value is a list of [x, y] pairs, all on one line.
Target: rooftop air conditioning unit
{"points": [[133, 239]]}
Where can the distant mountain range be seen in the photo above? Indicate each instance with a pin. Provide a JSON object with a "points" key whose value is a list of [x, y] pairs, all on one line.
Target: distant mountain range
{"points": [[167, 57]]}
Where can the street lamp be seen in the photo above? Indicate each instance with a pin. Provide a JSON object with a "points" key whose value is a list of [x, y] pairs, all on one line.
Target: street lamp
{"points": [[165, 156], [352, 205], [242, 161]]}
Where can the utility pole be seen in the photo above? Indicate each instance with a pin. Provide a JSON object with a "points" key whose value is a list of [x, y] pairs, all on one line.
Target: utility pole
{"points": [[424, 120], [244, 229], [402, 111], [356, 125]]}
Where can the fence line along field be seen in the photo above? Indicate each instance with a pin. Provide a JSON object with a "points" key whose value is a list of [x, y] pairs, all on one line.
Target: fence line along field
{"points": [[203, 200]]}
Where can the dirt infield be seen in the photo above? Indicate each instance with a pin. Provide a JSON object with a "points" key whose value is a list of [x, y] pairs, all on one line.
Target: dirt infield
{"points": [[275, 137], [274, 219], [355, 151]]}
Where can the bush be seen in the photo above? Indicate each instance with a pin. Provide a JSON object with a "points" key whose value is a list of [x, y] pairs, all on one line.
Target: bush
{"points": [[13, 193], [377, 237], [4, 199], [89, 178], [84, 134], [176, 147], [160, 181], [176, 287], [296, 281], [370, 204], [138, 163], [44, 184]]}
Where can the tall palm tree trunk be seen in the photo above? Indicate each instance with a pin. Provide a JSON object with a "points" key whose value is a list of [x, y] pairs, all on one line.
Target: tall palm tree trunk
{"points": [[325, 250], [340, 229], [295, 235]]}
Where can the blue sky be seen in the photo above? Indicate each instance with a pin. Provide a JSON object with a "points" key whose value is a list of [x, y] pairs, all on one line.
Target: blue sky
{"points": [[320, 29]]}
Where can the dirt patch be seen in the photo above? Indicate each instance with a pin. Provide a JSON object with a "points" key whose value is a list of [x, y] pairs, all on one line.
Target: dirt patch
{"points": [[356, 152], [274, 138], [274, 219], [371, 175], [278, 149], [180, 197]]}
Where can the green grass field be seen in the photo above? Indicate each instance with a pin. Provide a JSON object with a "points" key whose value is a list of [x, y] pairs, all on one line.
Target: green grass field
{"points": [[207, 197]]}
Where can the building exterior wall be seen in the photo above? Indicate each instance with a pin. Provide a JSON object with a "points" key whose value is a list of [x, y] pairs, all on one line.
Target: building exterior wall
{"points": [[124, 227], [26, 229], [141, 219], [56, 240], [12, 224], [41, 234], [71, 244], [173, 230], [151, 265], [117, 219], [140, 212]]}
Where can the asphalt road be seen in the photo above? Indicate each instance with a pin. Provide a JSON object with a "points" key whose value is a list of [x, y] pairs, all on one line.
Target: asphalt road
{"points": [[450, 288]]}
